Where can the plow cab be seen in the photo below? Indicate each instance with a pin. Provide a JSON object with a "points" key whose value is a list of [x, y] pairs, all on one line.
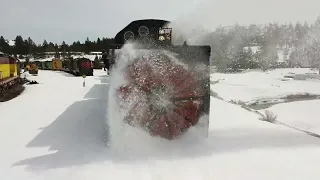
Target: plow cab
{"points": [[166, 89]]}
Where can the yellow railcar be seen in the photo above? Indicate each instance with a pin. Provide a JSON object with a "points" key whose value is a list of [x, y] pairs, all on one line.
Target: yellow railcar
{"points": [[4, 68], [13, 66], [9, 67], [56, 64], [9, 75], [10, 82]]}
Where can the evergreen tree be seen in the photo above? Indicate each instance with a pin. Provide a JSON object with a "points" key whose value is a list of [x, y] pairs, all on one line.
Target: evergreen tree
{"points": [[19, 47], [87, 46], [45, 46], [4, 46]]}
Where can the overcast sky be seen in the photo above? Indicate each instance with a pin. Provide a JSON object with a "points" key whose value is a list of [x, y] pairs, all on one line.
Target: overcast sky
{"points": [[72, 20]]}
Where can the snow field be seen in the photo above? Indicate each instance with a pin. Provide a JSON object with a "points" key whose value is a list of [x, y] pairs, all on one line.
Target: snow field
{"points": [[269, 87], [62, 137], [255, 85]]}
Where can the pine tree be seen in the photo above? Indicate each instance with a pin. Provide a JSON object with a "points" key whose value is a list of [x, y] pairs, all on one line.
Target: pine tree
{"points": [[45, 46], [19, 47], [4, 46], [63, 49], [99, 46], [88, 46]]}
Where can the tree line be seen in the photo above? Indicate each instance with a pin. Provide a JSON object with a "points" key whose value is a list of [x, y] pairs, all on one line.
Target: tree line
{"points": [[27, 47], [255, 46], [262, 46]]}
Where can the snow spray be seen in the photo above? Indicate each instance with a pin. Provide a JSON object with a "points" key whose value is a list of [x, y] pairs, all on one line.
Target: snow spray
{"points": [[129, 141]]}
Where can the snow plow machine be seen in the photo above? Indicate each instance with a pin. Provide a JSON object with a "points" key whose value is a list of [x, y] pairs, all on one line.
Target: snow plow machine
{"points": [[167, 89]]}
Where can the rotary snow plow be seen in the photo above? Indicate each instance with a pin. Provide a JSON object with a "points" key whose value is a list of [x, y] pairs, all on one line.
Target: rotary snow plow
{"points": [[166, 88]]}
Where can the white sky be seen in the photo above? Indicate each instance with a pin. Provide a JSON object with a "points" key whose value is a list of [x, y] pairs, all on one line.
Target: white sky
{"points": [[72, 20]]}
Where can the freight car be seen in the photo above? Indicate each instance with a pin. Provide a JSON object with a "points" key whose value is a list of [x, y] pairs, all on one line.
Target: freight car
{"points": [[56, 64], [47, 65], [78, 66], [9, 76], [33, 68], [39, 64]]}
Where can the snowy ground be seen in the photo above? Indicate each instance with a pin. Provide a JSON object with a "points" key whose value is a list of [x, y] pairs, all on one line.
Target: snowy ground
{"points": [[270, 91], [55, 130], [255, 85]]}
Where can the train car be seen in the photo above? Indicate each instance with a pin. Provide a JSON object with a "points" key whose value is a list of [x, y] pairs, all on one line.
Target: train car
{"points": [[79, 66], [56, 64], [33, 68], [70, 64], [40, 64], [82, 66], [13, 67], [48, 65], [167, 87], [8, 66], [65, 64], [18, 67], [26, 67], [9, 75]]}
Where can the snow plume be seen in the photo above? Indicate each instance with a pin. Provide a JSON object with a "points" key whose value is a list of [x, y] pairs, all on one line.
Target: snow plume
{"points": [[208, 15], [131, 142]]}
